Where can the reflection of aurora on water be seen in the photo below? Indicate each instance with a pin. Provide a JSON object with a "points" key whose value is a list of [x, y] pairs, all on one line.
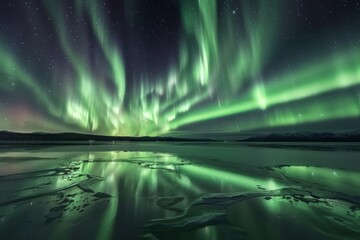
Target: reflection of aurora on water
{"points": [[246, 65], [118, 193]]}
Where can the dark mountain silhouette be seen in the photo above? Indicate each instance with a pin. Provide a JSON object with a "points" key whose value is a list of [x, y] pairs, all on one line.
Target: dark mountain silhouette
{"points": [[56, 137], [353, 136], [8, 136]]}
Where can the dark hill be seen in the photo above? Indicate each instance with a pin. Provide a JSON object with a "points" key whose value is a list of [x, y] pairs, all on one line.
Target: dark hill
{"points": [[53, 137], [353, 136]]}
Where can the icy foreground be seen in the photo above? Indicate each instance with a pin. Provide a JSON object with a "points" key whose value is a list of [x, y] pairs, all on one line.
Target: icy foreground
{"points": [[180, 191]]}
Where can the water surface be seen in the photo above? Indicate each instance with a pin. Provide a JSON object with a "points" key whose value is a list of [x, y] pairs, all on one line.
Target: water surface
{"points": [[180, 191]]}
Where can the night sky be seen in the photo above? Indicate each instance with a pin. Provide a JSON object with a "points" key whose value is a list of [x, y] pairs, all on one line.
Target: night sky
{"points": [[185, 67]]}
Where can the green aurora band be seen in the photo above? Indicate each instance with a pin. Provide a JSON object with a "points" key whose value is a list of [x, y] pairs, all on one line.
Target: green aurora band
{"points": [[220, 73]]}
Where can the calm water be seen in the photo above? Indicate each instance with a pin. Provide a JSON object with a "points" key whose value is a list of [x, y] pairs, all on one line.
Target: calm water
{"points": [[180, 191]]}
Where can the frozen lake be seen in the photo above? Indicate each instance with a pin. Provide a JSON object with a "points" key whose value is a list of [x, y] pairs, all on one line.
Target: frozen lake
{"points": [[180, 191]]}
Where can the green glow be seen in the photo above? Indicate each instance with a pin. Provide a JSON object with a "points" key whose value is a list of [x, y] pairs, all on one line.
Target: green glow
{"points": [[236, 179], [14, 74], [109, 50], [308, 82], [222, 71]]}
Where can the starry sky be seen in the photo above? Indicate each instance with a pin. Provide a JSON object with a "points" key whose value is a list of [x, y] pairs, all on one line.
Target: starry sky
{"points": [[179, 67]]}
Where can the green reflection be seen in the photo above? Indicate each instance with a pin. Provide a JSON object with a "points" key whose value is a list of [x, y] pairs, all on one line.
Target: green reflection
{"points": [[118, 192]]}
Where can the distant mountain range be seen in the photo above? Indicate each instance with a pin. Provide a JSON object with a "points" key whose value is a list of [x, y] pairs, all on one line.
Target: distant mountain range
{"points": [[353, 136], [54, 137]]}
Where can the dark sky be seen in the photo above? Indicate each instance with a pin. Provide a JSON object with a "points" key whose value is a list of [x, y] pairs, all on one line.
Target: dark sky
{"points": [[179, 67]]}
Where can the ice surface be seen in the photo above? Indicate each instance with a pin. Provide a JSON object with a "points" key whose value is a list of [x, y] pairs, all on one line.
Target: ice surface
{"points": [[181, 191]]}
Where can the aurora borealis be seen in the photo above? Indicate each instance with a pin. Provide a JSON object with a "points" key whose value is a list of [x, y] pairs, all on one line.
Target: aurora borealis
{"points": [[148, 67]]}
